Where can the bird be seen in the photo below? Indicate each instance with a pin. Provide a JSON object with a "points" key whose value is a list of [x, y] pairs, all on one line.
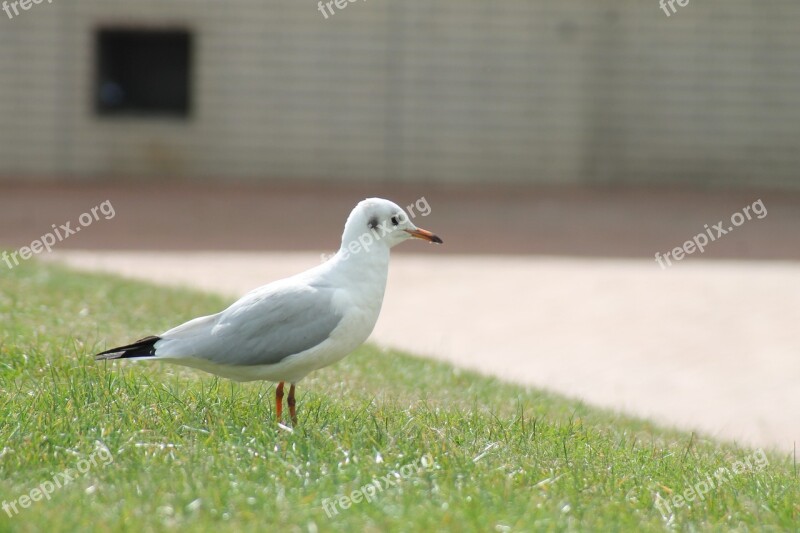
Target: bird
{"points": [[283, 331]]}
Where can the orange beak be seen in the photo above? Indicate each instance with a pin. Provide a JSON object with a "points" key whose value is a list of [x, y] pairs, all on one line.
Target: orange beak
{"points": [[425, 235]]}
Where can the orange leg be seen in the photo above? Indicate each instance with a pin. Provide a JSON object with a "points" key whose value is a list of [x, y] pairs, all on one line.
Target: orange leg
{"points": [[292, 411], [279, 401]]}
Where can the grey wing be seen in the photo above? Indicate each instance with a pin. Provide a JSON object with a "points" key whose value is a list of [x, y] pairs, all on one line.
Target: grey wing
{"points": [[264, 327]]}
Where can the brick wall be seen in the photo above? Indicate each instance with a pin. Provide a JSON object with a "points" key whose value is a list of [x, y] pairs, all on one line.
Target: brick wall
{"points": [[592, 91]]}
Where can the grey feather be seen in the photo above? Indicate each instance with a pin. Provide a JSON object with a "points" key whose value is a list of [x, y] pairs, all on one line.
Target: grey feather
{"points": [[264, 327]]}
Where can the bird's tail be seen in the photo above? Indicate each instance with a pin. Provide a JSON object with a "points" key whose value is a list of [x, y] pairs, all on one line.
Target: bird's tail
{"points": [[141, 348]]}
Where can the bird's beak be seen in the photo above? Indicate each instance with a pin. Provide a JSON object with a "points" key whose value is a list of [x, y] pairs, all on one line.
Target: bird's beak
{"points": [[424, 234]]}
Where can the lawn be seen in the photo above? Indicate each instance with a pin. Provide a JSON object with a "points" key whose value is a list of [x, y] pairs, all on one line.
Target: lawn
{"points": [[386, 441]]}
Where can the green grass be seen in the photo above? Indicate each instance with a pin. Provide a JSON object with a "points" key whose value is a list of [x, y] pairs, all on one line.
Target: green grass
{"points": [[186, 451]]}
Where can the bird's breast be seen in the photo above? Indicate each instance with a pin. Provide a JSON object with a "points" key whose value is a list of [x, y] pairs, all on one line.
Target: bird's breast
{"points": [[360, 310]]}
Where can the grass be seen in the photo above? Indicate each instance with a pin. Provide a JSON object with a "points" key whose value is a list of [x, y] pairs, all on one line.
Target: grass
{"points": [[175, 449]]}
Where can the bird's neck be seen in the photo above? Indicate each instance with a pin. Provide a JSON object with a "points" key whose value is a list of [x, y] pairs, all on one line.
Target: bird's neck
{"points": [[364, 265], [365, 275], [352, 255]]}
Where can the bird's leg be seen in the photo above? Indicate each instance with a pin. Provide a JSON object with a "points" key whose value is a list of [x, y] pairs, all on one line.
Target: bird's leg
{"points": [[279, 401], [292, 411]]}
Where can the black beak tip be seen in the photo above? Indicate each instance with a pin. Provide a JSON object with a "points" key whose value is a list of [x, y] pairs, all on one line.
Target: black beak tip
{"points": [[436, 239]]}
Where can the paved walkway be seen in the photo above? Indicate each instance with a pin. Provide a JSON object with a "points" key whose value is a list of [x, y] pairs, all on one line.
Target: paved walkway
{"points": [[707, 345]]}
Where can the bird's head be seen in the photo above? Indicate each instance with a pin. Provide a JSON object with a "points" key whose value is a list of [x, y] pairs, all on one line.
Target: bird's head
{"points": [[378, 222]]}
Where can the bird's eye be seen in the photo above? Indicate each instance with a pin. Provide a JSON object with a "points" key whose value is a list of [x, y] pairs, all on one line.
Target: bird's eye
{"points": [[395, 221]]}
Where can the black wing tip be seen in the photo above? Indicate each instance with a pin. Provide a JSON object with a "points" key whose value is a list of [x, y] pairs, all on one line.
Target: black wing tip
{"points": [[142, 348]]}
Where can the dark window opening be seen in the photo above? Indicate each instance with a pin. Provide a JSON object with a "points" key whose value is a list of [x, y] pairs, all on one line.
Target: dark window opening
{"points": [[143, 72]]}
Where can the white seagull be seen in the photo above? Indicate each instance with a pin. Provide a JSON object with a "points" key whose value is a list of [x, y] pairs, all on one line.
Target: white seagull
{"points": [[287, 329]]}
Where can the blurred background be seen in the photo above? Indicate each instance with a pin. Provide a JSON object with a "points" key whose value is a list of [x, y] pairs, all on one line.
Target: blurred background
{"points": [[553, 132], [518, 92], [578, 127]]}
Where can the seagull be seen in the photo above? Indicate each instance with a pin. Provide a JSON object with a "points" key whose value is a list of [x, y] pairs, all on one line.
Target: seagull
{"points": [[285, 330]]}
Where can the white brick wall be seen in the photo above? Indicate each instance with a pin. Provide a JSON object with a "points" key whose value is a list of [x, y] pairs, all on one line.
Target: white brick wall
{"points": [[591, 91]]}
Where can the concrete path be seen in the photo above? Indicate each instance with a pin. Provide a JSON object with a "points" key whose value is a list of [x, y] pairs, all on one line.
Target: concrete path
{"points": [[706, 345]]}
